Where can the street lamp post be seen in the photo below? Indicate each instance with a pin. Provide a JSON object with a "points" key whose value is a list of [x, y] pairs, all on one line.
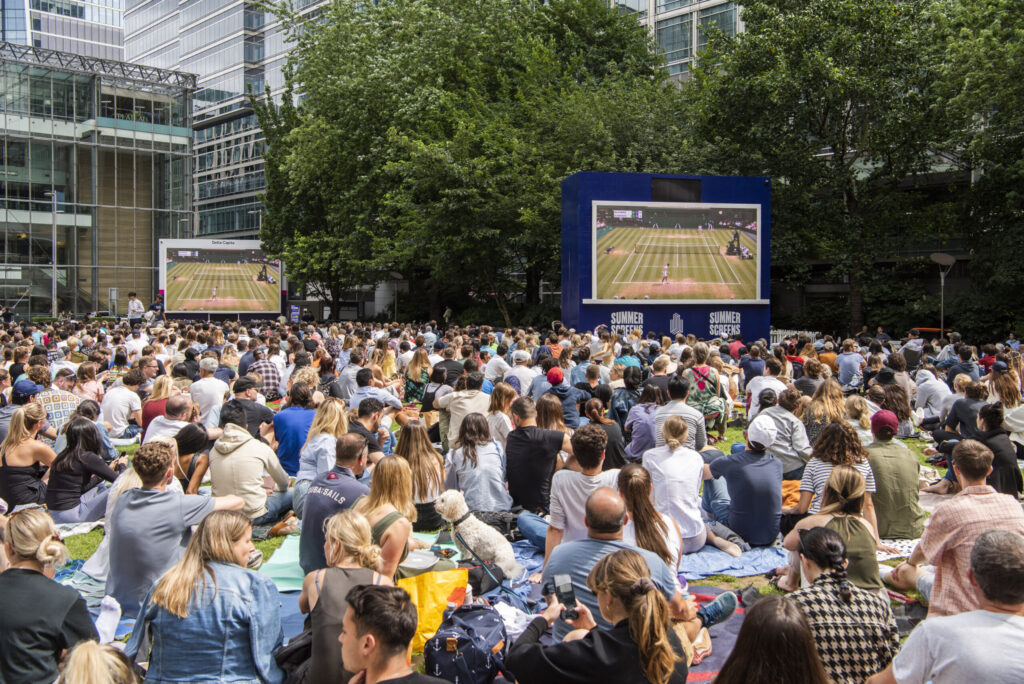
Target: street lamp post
{"points": [[52, 194], [259, 218], [945, 262]]}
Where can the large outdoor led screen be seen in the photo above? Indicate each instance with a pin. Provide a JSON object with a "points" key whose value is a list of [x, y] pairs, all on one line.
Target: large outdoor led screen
{"points": [[219, 276], [676, 251]]}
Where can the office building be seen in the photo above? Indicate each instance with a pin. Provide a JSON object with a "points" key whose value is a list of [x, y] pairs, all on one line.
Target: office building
{"points": [[232, 47], [90, 28], [680, 26], [95, 167]]}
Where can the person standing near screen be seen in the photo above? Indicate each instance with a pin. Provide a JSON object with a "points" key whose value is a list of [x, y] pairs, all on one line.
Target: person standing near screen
{"points": [[664, 275], [135, 310], [157, 307], [213, 295]]}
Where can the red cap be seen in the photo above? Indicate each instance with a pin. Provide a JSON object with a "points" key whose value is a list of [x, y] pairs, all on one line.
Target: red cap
{"points": [[885, 419], [555, 376]]}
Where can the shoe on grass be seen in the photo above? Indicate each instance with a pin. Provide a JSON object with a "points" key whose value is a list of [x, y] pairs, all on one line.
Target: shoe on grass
{"points": [[719, 610]]}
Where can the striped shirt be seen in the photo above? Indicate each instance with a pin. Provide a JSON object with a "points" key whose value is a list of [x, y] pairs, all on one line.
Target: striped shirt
{"points": [[696, 436], [816, 475]]}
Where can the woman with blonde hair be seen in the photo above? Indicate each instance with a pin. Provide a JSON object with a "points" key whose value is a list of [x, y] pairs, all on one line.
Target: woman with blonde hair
{"points": [[843, 511], [675, 473], [353, 560], [390, 510], [317, 455], [417, 375], [91, 662], [641, 646], [859, 417], [209, 606], [827, 406], [499, 413], [87, 385], [308, 376], [427, 468], [24, 459], [156, 403], [39, 618]]}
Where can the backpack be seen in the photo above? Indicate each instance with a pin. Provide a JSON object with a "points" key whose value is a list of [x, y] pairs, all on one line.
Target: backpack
{"points": [[469, 646]]}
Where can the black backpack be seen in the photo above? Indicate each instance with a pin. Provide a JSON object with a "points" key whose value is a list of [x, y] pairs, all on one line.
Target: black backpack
{"points": [[469, 646]]}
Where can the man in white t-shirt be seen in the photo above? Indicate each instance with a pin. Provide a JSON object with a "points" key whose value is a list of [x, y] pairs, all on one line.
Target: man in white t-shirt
{"points": [[570, 489], [980, 645], [208, 391], [136, 343], [136, 309], [122, 404]]}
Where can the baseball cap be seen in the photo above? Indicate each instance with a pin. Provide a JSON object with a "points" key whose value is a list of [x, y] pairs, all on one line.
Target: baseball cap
{"points": [[884, 419], [555, 376], [26, 388], [762, 431], [1000, 366], [520, 355], [243, 384], [439, 345]]}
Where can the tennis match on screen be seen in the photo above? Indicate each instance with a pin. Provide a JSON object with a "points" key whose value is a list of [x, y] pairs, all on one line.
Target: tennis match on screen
{"points": [[220, 276], [676, 251]]}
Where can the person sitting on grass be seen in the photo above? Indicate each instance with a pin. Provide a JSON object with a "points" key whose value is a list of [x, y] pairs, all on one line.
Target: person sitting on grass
{"points": [[950, 534], [896, 468], [225, 617], [353, 560], [150, 527], [855, 630], [239, 463], [376, 632], [982, 645], [39, 618], [640, 647]]}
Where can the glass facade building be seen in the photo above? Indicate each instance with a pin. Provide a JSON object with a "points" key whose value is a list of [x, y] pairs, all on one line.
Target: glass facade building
{"points": [[95, 167], [92, 28], [681, 26], [232, 46]]}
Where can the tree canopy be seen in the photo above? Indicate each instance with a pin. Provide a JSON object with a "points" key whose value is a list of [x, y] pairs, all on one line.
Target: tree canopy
{"points": [[433, 135]]}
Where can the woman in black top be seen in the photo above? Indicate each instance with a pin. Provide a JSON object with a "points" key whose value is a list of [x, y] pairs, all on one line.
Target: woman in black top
{"points": [[641, 648], [39, 618], [1005, 477], [76, 492]]}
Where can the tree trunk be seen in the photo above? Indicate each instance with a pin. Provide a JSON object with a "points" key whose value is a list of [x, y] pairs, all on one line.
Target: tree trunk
{"points": [[434, 299], [532, 285], [502, 304], [856, 301]]}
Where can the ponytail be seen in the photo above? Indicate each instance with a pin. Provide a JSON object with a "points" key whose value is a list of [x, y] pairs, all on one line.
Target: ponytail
{"points": [[675, 431], [838, 564], [651, 531], [826, 549], [626, 576], [32, 535]]}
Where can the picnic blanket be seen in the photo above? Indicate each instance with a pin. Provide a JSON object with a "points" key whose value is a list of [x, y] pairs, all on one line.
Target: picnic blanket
{"points": [[710, 561], [905, 546], [723, 637], [283, 567]]}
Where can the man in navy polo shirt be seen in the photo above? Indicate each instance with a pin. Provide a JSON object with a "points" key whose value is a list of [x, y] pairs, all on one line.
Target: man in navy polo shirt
{"points": [[332, 492]]}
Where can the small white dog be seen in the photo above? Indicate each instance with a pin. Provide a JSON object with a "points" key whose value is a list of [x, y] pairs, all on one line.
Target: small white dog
{"points": [[487, 542]]}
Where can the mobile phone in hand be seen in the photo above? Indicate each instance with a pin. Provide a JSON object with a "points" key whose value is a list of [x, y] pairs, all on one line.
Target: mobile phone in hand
{"points": [[566, 596]]}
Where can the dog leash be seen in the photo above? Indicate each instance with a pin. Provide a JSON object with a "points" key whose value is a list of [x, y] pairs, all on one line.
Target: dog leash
{"points": [[483, 564]]}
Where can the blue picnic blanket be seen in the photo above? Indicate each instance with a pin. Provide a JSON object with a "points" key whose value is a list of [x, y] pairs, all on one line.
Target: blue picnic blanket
{"points": [[711, 561]]}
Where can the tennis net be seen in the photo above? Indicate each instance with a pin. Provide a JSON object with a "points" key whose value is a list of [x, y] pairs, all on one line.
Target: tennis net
{"points": [[663, 248]]}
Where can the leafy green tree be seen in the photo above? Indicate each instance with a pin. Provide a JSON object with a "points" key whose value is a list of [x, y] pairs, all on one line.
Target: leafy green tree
{"points": [[833, 100], [981, 85], [433, 136]]}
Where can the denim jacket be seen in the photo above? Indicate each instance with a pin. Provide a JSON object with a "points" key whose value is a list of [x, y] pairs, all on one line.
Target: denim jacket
{"points": [[231, 633]]}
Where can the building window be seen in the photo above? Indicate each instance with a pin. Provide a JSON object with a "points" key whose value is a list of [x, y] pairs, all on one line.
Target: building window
{"points": [[675, 38], [722, 16], [663, 6], [635, 7]]}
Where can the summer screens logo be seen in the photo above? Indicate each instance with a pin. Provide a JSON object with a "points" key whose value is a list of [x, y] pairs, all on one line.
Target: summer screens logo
{"points": [[724, 323], [625, 322]]}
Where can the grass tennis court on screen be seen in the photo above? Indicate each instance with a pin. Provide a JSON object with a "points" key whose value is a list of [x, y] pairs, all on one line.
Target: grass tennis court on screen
{"points": [[698, 267], [191, 286]]}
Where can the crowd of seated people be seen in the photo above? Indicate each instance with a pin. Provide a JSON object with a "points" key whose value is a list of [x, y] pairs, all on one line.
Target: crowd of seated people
{"points": [[605, 451]]}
